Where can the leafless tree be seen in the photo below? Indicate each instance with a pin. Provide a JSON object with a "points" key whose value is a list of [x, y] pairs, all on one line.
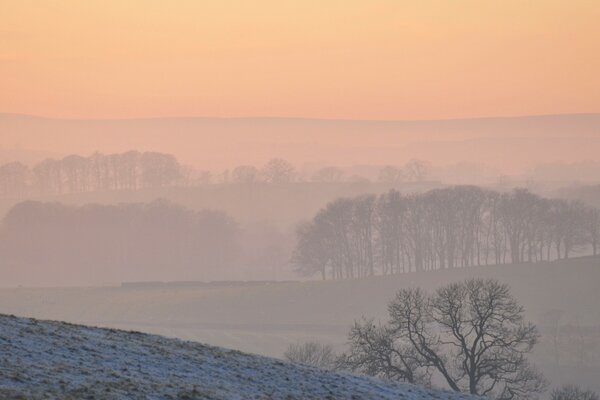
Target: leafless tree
{"points": [[461, 226], [98, 172], [470, 334], [313, 250], [473, 334], [376, 350], [314, 354], [391, 174], [572, 392], [14, 179], [278, 170], [159, 169], [417, 170], [245, 174], [328, 174], [592, 228]]}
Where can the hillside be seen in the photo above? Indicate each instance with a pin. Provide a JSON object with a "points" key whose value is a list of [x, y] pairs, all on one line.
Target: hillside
{"points": [[43, 359]]}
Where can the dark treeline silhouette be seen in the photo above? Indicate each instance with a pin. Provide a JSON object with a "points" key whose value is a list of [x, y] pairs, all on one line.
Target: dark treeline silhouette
{"points": [[112, 243], [444, 228], [98, 172]]}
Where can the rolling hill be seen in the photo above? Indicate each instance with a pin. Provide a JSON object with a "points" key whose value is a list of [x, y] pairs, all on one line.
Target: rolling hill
{"points": [[43, 359]]}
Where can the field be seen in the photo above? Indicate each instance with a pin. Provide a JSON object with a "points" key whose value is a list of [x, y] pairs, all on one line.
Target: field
{"points": [[562, 297]]}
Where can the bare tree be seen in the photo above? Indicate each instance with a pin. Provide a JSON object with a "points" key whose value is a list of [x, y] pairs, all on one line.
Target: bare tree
{"points": [[470, 334], [278, 170], [377, 351], [159, 169], [328, 174], [417, 170], [391, 174], [592, 228], [314, 354], [14, 179], [313, 250], [245, 174], [461, 226], [572, 392]]}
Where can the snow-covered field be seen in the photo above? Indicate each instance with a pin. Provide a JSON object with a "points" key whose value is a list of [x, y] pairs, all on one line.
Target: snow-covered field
{"points": [[44, 359]]}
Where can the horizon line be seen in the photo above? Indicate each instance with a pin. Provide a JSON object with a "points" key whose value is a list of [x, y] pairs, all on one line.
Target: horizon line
{"points": [[181, 117]]}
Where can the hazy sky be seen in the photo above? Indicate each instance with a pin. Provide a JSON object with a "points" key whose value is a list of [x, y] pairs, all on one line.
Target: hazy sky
{"points": [[417, 59]]}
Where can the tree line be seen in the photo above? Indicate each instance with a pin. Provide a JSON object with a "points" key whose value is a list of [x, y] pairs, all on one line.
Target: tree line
{"points": [[112, 243], [98, 172], [445, 228], [134, 170]]}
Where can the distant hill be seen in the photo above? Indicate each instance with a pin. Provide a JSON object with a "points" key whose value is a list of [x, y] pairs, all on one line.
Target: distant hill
{"points": [[43, 359], [509, 144]]}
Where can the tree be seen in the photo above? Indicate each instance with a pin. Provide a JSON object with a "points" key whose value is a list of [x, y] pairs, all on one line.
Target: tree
{"points": [[159, 169], [375, 351], [314, 354], [278, 170], [328, 174], [13, 179], [592, 228], [417, 170], [390, 174], [572, 392], [460, 226], [245, 174], [470, 334], [313, 252]]}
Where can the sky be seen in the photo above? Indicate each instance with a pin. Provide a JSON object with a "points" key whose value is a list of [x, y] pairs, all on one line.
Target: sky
{"points": [[425, 59]]}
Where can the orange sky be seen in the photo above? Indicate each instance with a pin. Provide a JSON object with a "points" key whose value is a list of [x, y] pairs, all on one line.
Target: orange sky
{"points": [[417, 59]]}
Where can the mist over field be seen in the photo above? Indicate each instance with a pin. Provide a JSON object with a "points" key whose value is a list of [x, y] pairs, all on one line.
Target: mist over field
{"points": [[260, 256], [300, 200]]}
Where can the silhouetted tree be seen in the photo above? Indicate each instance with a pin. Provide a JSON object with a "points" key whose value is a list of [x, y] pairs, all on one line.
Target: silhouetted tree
{"points": [[454, 227], [98, 172], [374, 350], [471, 334]]}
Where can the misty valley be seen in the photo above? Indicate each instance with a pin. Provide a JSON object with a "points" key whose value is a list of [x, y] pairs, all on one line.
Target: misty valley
{"points": [[300, 200], [128, 241]]}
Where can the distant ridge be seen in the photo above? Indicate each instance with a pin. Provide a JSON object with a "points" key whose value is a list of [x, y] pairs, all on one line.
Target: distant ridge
{"points": [[299, 118], [509, 144]]}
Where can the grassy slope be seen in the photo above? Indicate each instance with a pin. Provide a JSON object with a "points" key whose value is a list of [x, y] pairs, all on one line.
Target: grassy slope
{"points": [[43, 359]]}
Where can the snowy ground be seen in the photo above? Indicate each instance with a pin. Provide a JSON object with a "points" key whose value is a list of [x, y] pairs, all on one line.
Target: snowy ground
{"points": [[42, 359]]}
